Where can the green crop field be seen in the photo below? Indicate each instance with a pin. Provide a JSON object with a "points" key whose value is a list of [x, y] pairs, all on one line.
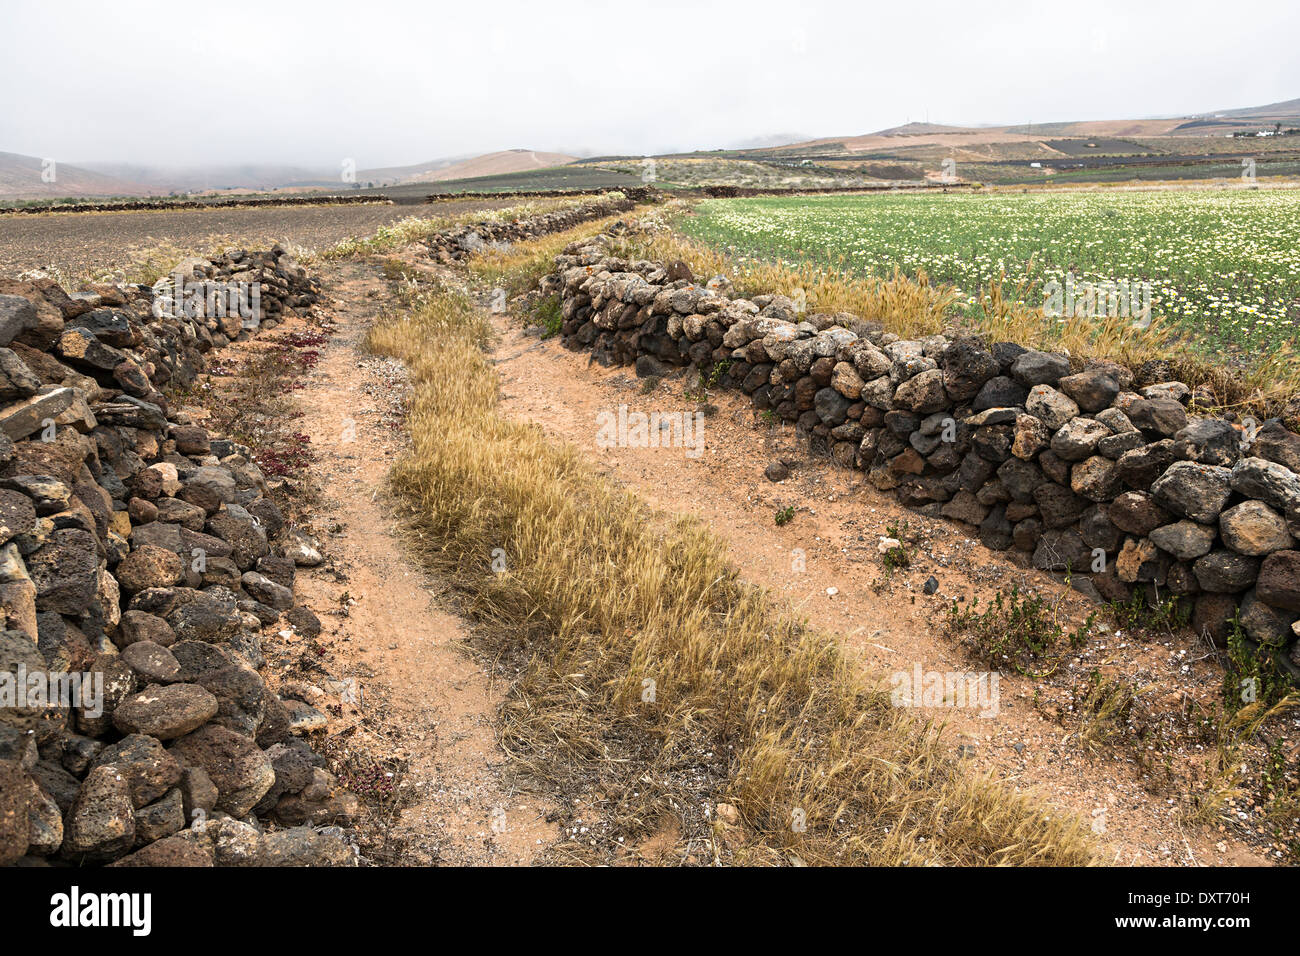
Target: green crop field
{"points": [[1224, 264]]}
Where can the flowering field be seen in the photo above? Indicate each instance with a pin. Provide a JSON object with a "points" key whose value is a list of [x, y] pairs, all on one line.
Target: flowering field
{"points": [[1224, 264]]}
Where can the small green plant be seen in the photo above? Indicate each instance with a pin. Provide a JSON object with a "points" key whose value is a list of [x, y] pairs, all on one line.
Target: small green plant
{"points": [[896, 558], [397, 270], [1016, 628], [899, 556], [768, 416], [784, 515], [700, 393], [1141, 613], [649, 384], [1251, 673], [546, 314]]}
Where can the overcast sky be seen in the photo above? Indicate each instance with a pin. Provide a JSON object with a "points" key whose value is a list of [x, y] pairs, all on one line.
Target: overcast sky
{"points": [[391, 82]]}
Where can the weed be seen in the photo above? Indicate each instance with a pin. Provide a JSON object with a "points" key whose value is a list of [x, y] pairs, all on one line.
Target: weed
{"points": [[1016, 629], [1150, 615], [545, 313], [1251, 673]]}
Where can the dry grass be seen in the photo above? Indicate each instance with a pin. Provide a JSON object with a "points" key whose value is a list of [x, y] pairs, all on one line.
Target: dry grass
{"points": [[601, 595], [1229, 770], [522, 266], [905, 306], [415, 228]]}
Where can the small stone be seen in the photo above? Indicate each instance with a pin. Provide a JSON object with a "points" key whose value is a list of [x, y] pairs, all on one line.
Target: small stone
{"points": [[241, 771], [149, 770], [1195, 491], [1092, 389], [1226, 572], [1185, 540], [149, 566], [303, 550], [1033, 368], [153, 662], [1077, 439], [776, 471], [1279, 580], [1137, 513], [303, 718], [1141, 562], [1208, 441], [263, 589], [1050, 406]]}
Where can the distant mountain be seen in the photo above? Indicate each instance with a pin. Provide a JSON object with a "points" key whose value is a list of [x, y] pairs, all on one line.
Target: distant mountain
{"points": [[1273, 111], [979, 138], [251, 177], [25, 177], [20, 176], [489, 164], [922, 129], [773, 141]]}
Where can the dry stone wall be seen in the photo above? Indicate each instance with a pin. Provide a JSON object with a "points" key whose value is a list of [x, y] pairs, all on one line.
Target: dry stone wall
{"points": [[140, 558], [458, 244], [1096, 468]]}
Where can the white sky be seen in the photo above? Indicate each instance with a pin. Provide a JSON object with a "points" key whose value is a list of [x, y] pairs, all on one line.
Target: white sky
{"points": [[392, 82]]}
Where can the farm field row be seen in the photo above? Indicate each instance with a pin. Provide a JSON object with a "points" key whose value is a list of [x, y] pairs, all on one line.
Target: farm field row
{"points": [[1224, 265]]}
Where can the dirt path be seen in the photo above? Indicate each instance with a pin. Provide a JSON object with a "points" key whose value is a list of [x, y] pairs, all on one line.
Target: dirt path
{"points": [[826, 564], [395, 628]]}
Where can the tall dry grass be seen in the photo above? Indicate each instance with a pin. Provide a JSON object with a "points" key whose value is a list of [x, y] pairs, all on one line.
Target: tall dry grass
{"points": [[520, 267], [600, 595]]}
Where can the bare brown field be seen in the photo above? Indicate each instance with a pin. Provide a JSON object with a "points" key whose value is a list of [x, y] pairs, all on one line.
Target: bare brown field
{"points": [[77, 244]]}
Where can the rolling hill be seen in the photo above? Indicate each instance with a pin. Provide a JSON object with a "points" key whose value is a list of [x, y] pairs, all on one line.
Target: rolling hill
{"points": [[489, 164], [1017, 137], [21, 178]]}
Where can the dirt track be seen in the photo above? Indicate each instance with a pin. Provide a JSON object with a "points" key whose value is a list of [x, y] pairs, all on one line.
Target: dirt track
{"points": [[97, 243]]}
